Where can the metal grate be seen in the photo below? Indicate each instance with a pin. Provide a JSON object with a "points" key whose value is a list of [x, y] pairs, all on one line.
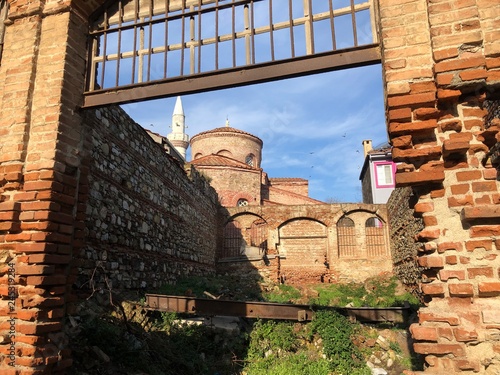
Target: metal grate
{"points": [[346, 235], [233, 241], [375, 238], [139, 43]]}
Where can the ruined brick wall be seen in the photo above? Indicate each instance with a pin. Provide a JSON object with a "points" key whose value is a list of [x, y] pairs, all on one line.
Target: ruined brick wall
{"points": [[441, 62], [404, 225], [147, 221], [302, 242]]}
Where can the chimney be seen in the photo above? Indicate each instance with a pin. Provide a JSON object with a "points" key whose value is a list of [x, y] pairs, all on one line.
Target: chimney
{"points": [[367, 146]]}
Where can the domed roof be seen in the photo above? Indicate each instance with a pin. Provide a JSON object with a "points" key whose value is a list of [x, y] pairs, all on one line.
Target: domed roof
{"points": [[225, 130]]}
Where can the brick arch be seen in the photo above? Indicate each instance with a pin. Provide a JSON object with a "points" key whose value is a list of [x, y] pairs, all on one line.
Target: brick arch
{"points": [[244, 235], [303, 242]]}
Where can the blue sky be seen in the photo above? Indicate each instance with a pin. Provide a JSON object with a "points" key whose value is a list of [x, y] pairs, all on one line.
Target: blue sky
{"points": [[312, 127]]}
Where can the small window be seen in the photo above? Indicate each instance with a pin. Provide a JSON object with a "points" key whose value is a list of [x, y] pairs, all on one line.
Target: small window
{"points": [[384, 174], [249, 160], [242, 202]]}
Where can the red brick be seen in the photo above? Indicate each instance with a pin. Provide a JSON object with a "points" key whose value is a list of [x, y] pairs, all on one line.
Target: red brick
{"points": [[444, 94], [484, 186], [412, 99], [460, 189], [489, 288], [411, 127], [422, 333], [433, 289], [472, 245], [431, 261], [25, 270], [418, 178], [461, 290], [468, 176], [463, 335], [459, 64], [454, 147], [46, 280], [423, 207], [484, 230], [437, 317], [460, 201], [445, 275], [451, 259], [439, 349], [480, 271], [430, 221], [400, 114]]}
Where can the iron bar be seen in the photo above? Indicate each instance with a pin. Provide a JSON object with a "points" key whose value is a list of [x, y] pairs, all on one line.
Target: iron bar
{"points": [[118, 52], [354, 27], [290, 16], [269, 310], [271, 29]]}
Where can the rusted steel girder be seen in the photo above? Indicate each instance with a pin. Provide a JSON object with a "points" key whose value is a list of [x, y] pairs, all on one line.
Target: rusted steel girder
{"points": [[268, 310]]}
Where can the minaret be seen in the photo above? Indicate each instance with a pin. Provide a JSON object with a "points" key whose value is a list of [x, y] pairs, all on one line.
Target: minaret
{"points": [[178, 138]]}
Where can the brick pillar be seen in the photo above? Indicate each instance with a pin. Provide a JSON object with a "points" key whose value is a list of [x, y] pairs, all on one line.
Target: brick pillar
{"points": [[42, 181], [441, 63]]}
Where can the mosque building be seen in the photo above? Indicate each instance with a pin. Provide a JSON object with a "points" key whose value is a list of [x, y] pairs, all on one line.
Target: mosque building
{"points": [[231, 160]]}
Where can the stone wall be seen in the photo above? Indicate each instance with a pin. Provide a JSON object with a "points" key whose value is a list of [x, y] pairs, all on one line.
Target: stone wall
{"points": [[404, 226], [147, 220]]}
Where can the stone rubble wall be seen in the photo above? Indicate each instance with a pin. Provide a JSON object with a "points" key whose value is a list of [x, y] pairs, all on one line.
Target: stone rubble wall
{"points": [[403, 227], [148, 221]]}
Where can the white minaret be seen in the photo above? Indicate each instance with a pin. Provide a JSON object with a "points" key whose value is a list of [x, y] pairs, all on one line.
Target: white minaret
{"points": [[178, 137]]}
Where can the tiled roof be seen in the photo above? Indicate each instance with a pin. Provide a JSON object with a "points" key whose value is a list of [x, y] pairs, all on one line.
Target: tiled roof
{"points": [[225, 129], [220, 161]]}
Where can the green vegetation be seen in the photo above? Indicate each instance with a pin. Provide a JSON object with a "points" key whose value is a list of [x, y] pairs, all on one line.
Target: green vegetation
{"points": [[337, 332], [376, 292], [165, 343], [282, 294]]}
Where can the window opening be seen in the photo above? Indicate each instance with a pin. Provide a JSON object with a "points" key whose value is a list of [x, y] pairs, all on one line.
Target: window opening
{"points": [[346, 234], [233, 240], [249, 160], [384, 173], [375, 238], [242, 202]]}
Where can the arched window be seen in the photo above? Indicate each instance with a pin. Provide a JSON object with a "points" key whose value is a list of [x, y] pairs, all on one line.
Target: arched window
{"points": [[346, 234], [375, 239], [242, 202], [250, 160], [198, 155]]}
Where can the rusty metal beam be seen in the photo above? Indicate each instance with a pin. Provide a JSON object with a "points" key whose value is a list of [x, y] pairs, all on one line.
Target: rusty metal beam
{"points": [[268, 310], [221, 79]]}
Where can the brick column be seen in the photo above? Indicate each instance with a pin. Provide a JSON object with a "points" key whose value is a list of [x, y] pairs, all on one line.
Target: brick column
{"points": [[42, 181], [441, 63]]}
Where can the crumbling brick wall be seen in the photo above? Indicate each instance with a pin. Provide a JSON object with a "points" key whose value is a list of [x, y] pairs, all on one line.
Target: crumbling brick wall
{"points": [[441, 62]]}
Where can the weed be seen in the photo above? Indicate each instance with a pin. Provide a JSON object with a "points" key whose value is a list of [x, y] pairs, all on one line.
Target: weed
{"points": [[282, 294], [336, 331]]}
